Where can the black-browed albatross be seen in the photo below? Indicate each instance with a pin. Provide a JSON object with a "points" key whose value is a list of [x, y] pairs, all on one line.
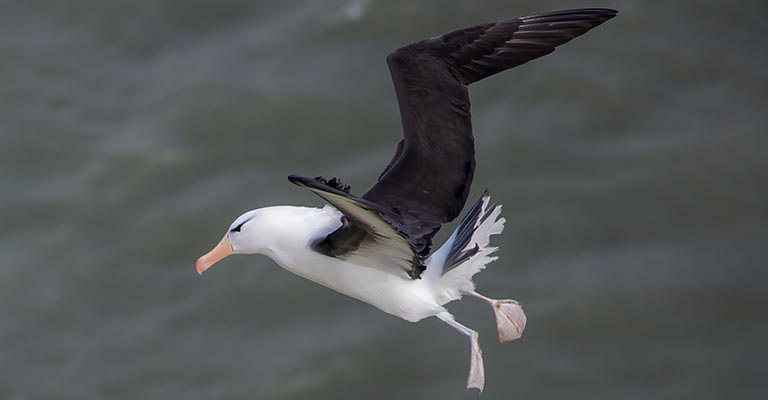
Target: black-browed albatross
{"points": [[376, 247]]}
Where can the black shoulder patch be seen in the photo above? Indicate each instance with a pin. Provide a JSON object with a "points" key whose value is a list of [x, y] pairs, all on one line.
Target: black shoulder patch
{"points": [[341, 241], [335, 183]]}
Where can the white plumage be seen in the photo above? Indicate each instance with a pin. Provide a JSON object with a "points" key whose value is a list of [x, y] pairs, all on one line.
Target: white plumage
{"points": [[375, 248], [286, 235]]}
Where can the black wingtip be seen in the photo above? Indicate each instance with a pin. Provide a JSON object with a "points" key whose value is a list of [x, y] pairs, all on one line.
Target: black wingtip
{"points": [[595, 11], [591, 17], [481, 51]]}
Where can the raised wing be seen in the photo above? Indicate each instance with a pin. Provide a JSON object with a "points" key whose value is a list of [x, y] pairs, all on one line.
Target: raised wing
{"points": [[429, 178], [364, 238]]}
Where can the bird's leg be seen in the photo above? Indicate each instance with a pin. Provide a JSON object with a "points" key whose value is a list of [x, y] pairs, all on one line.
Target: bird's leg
{"points": [[476, 377], [510, 317]]}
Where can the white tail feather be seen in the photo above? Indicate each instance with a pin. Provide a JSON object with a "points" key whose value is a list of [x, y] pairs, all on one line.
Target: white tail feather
{"points": [[458, 281]]}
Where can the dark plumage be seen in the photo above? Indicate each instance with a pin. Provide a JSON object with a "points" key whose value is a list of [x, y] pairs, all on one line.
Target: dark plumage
{"points": [[429, 178], [335, 183], [374, 247]]}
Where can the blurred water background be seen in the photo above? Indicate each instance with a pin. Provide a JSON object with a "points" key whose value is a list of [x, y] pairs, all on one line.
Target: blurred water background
{"points": [[632, 164]]}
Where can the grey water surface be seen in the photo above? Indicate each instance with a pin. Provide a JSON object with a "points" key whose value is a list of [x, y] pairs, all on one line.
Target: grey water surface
{"points": [[632, 165]]}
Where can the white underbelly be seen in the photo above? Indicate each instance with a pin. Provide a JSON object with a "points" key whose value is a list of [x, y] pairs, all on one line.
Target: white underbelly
{"points": [[411, 300]]}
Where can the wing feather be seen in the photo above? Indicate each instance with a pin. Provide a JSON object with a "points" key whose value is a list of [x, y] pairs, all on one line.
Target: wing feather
{"points": [[364, 238], [429, 178]]}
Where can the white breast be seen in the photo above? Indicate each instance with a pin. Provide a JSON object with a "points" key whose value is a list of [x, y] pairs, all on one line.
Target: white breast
{"points": [[406, 298]]}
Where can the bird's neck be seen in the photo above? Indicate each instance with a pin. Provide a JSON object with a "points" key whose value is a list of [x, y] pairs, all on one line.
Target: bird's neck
{"points": [[292, 231]]}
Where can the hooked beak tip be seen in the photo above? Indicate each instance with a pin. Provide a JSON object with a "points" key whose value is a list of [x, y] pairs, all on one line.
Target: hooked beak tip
{"points": [[199, 266]]}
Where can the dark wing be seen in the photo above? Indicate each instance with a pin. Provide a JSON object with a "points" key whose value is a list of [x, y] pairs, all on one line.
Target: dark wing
{"points": [[428, 180], [364, 237]]}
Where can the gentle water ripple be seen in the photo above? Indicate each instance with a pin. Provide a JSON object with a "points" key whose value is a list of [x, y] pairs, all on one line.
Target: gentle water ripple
{"points": [[631, 165]]}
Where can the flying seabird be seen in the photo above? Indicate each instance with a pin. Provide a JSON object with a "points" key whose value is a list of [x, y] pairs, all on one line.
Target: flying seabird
{"points": [[376, 247]]}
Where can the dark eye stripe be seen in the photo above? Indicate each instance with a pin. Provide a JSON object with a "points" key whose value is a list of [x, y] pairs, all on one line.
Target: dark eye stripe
{"points": [[237, 228]]}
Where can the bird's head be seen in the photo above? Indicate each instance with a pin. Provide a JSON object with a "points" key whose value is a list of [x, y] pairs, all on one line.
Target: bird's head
{"points": [[243, 237]]}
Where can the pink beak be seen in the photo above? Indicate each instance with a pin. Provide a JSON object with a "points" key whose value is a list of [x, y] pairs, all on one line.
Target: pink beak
{"points": [[223, 249]]}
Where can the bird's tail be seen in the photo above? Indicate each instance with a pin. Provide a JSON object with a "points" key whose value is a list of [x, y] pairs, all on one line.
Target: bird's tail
{"points": [[466, 252]]}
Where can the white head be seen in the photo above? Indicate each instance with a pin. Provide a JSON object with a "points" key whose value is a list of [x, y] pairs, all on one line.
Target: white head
{"points": [[268, 231], [245, 236]]}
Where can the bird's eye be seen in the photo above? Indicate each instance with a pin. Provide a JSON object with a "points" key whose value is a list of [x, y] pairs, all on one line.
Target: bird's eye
{"points": [[237, 228]]}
